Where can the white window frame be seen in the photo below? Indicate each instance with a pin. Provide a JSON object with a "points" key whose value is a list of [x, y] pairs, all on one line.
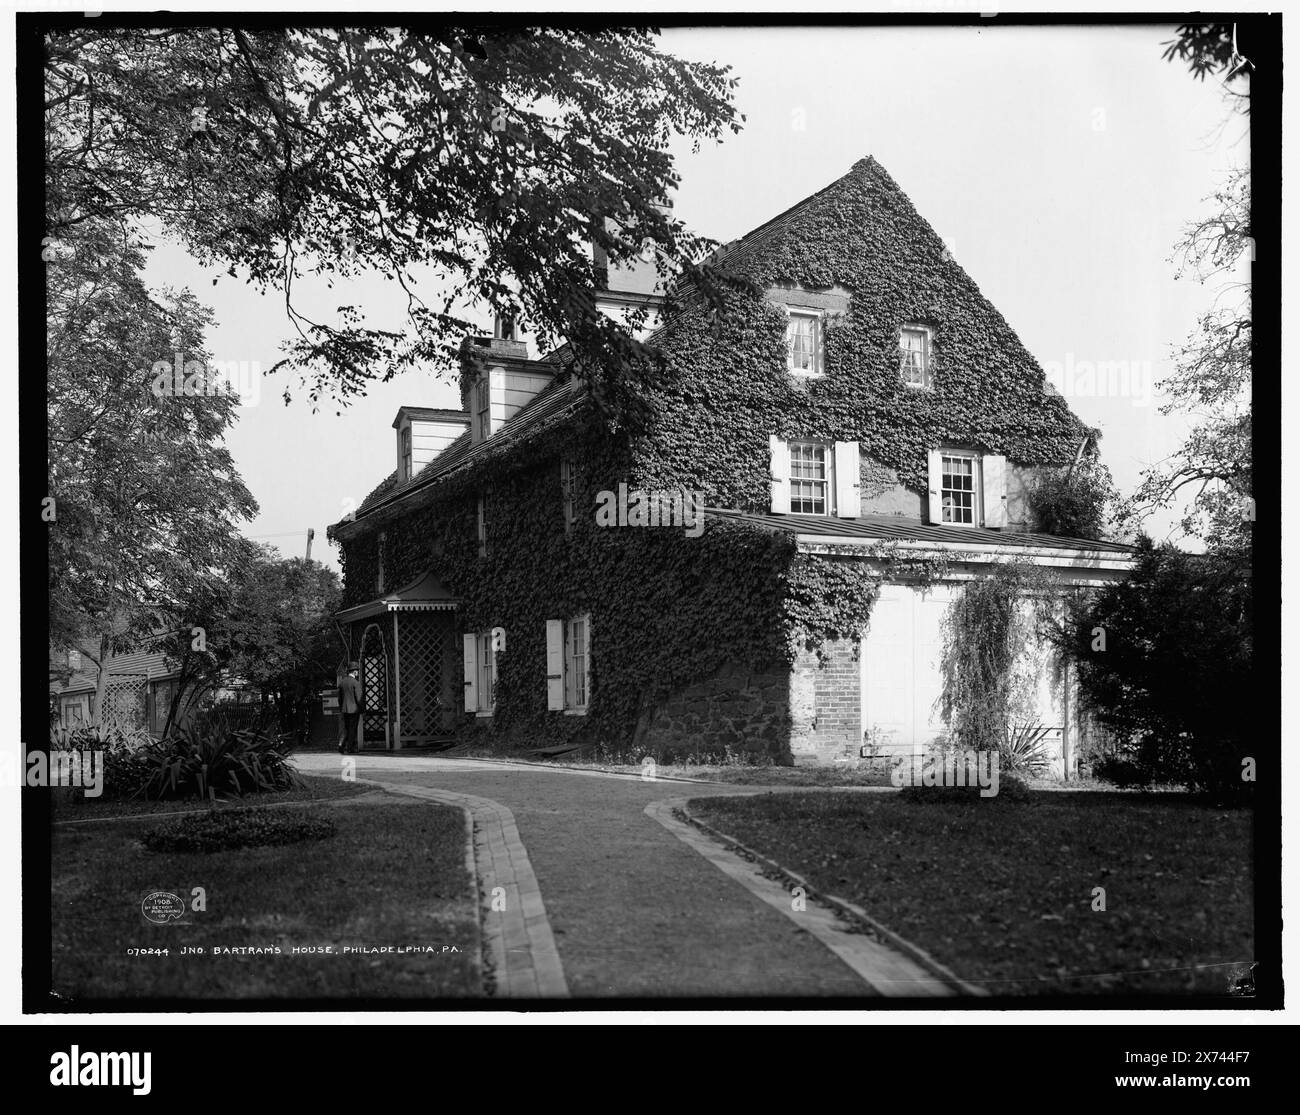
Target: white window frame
{"points": [[828, 481], [816, 317], [976, 489], [405, 453], [486, 665], [577, 685], [927, 356]]}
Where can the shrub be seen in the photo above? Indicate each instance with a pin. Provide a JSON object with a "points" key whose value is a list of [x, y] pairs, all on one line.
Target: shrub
{"points": [[1024, 750], [205, 757], [1072, 503], [1165, 662], [217, 830], [127, 756]]}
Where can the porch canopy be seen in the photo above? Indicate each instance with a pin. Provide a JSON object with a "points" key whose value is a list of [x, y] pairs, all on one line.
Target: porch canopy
{"points": [[425, 594], [404, 644]]}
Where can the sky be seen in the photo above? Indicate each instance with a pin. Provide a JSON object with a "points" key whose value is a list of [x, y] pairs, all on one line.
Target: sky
{"points": [[1060, 165]]}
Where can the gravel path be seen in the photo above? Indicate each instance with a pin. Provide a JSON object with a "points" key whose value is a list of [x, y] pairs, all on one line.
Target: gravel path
{"points": [[635, 912]]}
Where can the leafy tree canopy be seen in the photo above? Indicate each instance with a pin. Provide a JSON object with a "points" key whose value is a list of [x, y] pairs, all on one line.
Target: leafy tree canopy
{"points": [[466, 166]]}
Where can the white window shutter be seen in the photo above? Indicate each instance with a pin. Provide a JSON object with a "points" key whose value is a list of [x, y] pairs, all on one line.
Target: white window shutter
{"points": [[470, 644], [994, 471], [554, 664], [848, 480], [936, 486], [780, 473]]}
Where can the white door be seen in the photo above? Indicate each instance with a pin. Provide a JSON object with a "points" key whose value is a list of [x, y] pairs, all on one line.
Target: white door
{"points": [[901, 678]]}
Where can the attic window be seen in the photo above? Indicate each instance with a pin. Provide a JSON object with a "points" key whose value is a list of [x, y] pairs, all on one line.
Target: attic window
{"points": [[803, 342], [404, 471], [914, 356], [483, 405]]}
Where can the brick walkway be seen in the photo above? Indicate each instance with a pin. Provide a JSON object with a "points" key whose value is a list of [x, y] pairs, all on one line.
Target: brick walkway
{"points": [[631, 908]]}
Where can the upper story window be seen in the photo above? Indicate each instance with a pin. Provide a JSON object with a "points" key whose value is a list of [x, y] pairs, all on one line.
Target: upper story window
{"points": [[381, 548], [914, 356], [813, 477], [810, 478], [569, 492], [958, 488], [482, 525], [405, 470], [803, 342]]}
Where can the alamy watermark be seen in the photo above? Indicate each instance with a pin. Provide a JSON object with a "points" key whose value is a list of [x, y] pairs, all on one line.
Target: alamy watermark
{"points": [[956, 768], [1102, 379], [674, 507], [241, 379]]}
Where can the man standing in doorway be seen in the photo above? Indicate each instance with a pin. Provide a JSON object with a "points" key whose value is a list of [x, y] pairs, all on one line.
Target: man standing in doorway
{"points": [[350, 709]]}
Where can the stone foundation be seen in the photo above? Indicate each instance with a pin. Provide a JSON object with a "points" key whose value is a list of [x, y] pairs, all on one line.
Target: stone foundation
{"points": [[739, 712]]}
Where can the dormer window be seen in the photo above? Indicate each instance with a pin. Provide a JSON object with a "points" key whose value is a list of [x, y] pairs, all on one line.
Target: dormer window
{"points": [[803, 342], [483, 405], [404, 468], [914, 356]]}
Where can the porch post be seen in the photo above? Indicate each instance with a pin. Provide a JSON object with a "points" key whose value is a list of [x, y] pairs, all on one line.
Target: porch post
{"points": [[397, 690]]}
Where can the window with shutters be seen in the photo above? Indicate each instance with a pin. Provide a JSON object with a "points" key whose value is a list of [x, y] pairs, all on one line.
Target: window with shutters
{"points": [[803, 342], [914, 355], [810, 478], [575, 663], [958, 488]]}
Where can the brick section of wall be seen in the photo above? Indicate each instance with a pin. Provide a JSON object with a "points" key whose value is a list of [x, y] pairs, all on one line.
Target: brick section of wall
{"points": [[825, 705], [738, 710]]}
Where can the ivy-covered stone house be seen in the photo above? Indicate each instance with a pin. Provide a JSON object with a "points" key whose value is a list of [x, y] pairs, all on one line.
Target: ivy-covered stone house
{"points": [[859, 426]]}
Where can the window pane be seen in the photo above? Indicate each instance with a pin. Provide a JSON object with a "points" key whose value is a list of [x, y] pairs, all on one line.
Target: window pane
{"points": [[958, 490], [802, 337]]}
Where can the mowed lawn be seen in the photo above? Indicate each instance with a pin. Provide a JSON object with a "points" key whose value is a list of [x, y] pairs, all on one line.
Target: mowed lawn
{"points": [[1003, 893], [394, 874]]}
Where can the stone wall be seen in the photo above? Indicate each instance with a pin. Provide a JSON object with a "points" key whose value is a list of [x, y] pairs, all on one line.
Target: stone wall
{"points": [[825, 705], [738, 711]]}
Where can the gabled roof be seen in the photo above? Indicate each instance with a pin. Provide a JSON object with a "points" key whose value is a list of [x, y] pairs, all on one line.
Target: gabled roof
{"points": [[556, 401]]}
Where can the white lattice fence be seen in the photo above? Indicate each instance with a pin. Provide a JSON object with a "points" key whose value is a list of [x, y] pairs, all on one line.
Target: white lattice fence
{"points": [[422, 647], [126, 703]]}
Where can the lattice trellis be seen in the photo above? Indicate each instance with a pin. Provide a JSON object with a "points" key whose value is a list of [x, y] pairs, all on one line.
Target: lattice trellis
{"points": [[126, 702], [374, 684], [424, 646]]}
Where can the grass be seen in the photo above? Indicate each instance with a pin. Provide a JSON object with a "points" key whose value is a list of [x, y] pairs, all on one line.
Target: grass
{"points": [[394, 875], [69, 805], [1003, 894]]}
